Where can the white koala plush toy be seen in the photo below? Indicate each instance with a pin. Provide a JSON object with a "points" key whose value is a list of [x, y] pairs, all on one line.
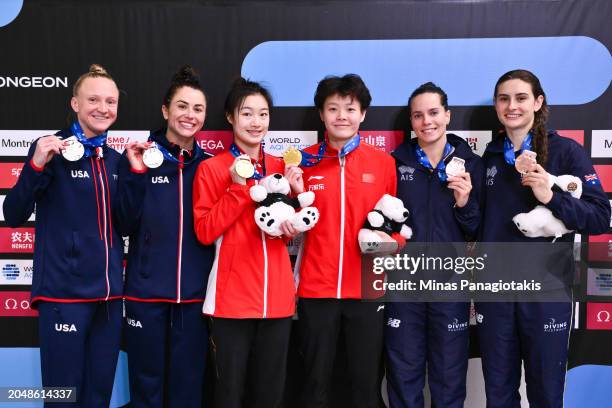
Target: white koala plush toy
{"points": [[389, 216], [276, 207], [540, 222]]}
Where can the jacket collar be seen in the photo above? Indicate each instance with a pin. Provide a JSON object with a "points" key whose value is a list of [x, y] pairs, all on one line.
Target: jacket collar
{"points": [[159, 137], [405, 152]]}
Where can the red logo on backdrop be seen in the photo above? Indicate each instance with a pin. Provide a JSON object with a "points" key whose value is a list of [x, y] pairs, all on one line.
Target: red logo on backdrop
{"points": [[577, 135], [385, 140], [16, 240], [604, 171], [600, 248], [16, 304], [214, 141], [9, 173], [599, 316]]}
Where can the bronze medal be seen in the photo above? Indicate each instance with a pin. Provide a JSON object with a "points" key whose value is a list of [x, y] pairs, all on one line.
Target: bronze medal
{"points": [[526, 162]]}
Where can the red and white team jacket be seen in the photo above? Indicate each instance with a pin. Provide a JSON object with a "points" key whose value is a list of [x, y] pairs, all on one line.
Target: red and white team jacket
{"points": [[251, 275], [346, 189]]}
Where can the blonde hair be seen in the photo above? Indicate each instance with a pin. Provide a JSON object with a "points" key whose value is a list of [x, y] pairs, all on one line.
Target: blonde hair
{"points": [[95, 71]]}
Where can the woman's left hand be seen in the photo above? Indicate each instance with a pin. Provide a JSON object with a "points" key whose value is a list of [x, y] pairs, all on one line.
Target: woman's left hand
{"points": [[461, 186], [538, 181], [288, 229]]}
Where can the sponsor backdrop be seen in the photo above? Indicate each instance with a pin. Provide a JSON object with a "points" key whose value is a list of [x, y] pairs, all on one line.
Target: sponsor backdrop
{"points": [[290, 45]]}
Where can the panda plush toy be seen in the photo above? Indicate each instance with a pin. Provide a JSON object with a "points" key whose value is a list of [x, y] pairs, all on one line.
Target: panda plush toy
{"points": [[389, 216], [276, 207]]}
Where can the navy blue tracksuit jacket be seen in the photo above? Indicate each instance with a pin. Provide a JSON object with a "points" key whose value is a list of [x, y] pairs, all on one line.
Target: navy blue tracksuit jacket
{"points": [[165, 262], [534, 332], [78, 251], [431, 334]]}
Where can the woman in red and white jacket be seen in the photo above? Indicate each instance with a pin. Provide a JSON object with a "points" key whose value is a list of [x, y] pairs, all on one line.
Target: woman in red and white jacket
{"points": [[251, 292]]}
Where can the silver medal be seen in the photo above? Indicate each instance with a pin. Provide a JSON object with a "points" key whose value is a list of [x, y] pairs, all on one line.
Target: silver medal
{"points": [[455, 167], [73, 150], [153, 157]]}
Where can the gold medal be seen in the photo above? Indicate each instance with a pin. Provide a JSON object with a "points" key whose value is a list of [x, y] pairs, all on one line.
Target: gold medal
{"points": [[244, 168], [292, 157]]}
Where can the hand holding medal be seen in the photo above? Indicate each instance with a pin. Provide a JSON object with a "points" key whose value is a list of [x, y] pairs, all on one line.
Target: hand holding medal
{"points": [[46, 148], [526, 162], [293, 158], [539, 181], [459, 181], [73, 149], [152, 157], [134, 152], [242, 169]]}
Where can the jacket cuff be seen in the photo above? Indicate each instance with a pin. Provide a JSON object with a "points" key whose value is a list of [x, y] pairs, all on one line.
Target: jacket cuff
{"points": [[467, 209], [238, 187], [555, 202], [133, 170], [401, 241], [35, 167]]}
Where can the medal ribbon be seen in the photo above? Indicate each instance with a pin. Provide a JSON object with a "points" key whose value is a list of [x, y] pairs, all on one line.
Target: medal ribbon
{"points": [[309, 160], [441, 167], [90, 143], [509, 154], [257, 175], [169, 156]]}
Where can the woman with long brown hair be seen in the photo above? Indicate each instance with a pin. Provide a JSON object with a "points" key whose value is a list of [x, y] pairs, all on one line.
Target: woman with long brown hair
{"points": [[533, 332]]}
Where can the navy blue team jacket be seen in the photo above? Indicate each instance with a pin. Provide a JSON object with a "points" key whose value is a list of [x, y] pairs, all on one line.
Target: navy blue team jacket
{"points": [[505, 197], [166, 263], [433, 215], [77, 251]]}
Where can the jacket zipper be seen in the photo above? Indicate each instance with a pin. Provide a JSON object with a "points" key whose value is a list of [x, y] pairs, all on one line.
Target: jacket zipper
{"points": [[342, 215], [265, 294], [104, 224], [180, 230]]}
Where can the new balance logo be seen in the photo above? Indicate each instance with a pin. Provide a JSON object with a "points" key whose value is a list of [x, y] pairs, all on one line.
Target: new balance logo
{"points": [[395, 323]]}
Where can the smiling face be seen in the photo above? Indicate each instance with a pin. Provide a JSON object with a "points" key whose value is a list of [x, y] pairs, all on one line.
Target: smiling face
{"points": [[185, 115], [516, 105], [342, 116], [429, 119], [250, 121], [95, 105]]}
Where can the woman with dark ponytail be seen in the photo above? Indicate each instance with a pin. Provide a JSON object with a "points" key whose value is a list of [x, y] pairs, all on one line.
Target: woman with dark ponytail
{"points": [[535, 332], [167, 268]]}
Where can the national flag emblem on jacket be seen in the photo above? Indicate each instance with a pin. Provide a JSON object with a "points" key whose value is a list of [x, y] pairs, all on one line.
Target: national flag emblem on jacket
{"points": [[591, 179]]}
